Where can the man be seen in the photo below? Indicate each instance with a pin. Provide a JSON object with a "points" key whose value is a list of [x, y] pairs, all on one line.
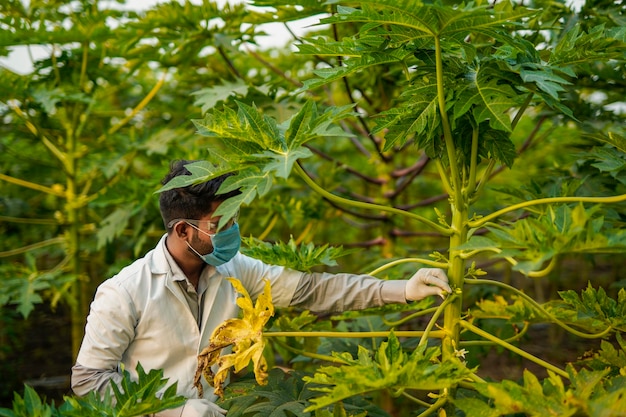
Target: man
{"points": [[161, 310]]}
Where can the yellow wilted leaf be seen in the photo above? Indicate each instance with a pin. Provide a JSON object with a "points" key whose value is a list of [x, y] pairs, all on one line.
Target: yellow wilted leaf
{"points": [[246, 336]]}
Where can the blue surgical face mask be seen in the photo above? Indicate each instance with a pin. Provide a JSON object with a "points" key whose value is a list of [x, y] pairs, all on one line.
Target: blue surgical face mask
{"points": [[225, 246]]}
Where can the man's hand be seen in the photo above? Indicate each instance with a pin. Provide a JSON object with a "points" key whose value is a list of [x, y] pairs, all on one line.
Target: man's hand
{"points": [[197, 407], [426, 282]]}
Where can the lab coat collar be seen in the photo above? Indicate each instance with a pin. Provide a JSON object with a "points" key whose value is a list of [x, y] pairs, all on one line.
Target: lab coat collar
{"points": [[158, 261], [162, 262]]}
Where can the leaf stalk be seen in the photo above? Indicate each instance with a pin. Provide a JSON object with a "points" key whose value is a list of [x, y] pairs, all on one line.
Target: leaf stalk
{"points": [[543, 311], [356, 335], [391, 264], [515, 349], [369, 206], [435, 317], [550, 200]]}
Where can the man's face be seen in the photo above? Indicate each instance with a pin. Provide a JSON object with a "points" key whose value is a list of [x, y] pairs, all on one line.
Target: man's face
{"points": [[203, 229]]}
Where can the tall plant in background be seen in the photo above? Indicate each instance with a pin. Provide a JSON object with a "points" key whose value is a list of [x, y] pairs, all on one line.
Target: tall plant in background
{"points": [[472, 74], [84, 136]]}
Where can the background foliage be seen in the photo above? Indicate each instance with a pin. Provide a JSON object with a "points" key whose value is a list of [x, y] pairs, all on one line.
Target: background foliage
{"points": [[87, 135]]}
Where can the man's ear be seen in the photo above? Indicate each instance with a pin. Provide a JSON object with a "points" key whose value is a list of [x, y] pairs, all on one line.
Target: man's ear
{"points": [[181, 229]]}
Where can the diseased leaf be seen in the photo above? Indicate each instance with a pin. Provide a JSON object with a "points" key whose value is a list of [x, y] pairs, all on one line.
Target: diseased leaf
{"points": [[285, 395], [418, 117], [246, 337], [608, 357]]}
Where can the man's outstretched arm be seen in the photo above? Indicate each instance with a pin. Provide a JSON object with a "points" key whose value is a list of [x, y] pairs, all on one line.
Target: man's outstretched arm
{"points": [[324, 292]]}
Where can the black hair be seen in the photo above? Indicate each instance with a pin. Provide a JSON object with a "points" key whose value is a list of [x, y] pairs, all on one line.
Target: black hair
{"points": [[191, 202]]}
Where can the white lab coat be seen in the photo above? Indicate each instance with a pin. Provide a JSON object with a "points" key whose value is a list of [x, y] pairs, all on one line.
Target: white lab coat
{"points": [[141, 316]]}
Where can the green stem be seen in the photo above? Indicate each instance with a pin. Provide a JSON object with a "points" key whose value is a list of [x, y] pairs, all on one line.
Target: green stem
{"points": [[371, 327], [410, 317], [269, 227], [35, 131], [471, 184], [435, 317], [436, 406], [32, 185], [600, 200], [456, 275], [83, 65], [416, 400], [522, 353], [445, 123], [444, 177], [143, 103], [472, 253], [229, 62], [38, 245], [522, 109], [391, 264], [62, 157], [369, 206], [518, 336], [541, 273], [476, 379], [72, 232], [483, 180], [355, 335], [51, 222], [311, 355], [84, 119], [541, 309]]}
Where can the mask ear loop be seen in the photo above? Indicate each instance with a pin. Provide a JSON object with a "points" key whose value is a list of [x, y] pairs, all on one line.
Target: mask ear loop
{"points": [[194, 251]]}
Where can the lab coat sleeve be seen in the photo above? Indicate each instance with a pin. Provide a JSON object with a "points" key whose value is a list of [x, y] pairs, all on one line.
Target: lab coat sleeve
{"points": [[324, 292], [109, 330]]}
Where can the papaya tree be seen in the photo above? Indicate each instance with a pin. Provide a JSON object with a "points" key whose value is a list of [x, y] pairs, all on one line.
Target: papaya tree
{"points": [[403, 88], [405, 118]]}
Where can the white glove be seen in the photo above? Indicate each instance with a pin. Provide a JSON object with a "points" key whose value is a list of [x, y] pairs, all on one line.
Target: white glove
{"points": [[426, 282], [201, 407]]}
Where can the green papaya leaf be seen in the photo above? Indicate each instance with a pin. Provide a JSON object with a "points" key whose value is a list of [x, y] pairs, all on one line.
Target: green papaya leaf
{"points": [[589, 393], [301, 257], [389, 368], [608, 356], [593, 308], [207, 98]]}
